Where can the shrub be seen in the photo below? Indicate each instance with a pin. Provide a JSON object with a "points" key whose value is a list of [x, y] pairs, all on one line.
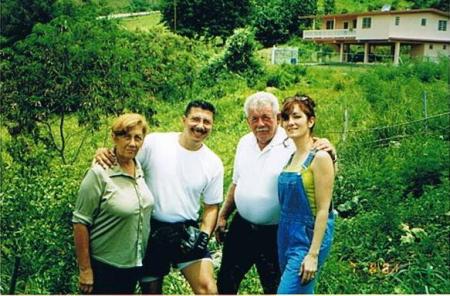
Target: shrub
{"points": [[238, 58], [240, 53], [284, 76], [36, 229], [426, 71], [275, 21]]}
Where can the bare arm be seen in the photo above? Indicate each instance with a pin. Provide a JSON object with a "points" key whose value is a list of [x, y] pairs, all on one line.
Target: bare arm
{"points": [[105, 157], [81, 238], [225, 212], [323, 183], [209, 218]]}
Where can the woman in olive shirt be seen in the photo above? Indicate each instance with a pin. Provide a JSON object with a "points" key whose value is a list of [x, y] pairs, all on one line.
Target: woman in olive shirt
{"points": [[112, 214]]}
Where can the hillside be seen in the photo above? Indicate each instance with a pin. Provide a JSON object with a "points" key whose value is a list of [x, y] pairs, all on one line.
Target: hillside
{"points": [[65, 82], [342, 6]]}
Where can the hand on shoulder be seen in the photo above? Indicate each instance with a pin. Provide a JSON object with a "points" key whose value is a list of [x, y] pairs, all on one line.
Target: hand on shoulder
{"points": [[322, 161]]}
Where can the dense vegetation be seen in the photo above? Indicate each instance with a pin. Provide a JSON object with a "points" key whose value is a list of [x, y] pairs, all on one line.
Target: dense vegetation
{"points": [[63, 83]]}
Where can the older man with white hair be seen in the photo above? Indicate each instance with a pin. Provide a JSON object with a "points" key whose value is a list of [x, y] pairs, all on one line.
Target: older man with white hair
{"points": [[252, 235]]}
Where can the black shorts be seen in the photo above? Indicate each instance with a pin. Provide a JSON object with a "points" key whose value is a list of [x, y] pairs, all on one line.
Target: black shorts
{"points": [[161, 254]]}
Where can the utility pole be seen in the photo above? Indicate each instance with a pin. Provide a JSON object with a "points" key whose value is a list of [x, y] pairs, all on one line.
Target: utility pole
{"points": [[175, 16]]}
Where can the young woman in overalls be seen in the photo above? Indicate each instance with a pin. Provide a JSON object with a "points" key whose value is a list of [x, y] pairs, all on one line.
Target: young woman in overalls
{"points": [[305, 186]]}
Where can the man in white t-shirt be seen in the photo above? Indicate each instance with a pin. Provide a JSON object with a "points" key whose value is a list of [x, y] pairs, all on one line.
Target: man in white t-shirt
{"points": [[182, 173], [252, 234]]}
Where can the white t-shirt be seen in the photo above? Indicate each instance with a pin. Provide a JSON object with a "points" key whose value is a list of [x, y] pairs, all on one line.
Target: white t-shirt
{"points": [[256, 177], [178, 177]]}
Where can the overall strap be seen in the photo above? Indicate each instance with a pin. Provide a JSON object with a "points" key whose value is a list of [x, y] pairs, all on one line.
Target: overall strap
{"points": [[309, 158], [307, 163], [289, 161]]}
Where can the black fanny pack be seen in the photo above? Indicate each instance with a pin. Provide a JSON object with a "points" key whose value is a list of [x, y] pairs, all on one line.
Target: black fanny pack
{"points": [[184, 236], [169, 234]]}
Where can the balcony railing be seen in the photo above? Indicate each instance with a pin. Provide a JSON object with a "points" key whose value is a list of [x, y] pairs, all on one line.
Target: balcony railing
{"points": [[324, 34]]}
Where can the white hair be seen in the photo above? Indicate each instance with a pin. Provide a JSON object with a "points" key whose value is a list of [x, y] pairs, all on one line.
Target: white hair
{"points": [[261, 99]]}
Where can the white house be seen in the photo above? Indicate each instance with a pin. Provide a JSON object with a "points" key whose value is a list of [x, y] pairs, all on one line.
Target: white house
{"points": [[425, 30]]}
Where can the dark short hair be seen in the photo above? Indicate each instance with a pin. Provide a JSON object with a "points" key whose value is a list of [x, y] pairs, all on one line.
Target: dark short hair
{"points": [[200, 104]]}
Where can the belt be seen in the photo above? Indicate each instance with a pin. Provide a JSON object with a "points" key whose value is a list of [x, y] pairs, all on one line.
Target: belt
{"points": [[258, 227], [158, 223]]}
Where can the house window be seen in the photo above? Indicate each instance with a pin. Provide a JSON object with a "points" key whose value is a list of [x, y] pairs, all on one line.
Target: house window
{"points": [[354, 24], [423, 22], [397, 20], [345, 25], [366, 22], [444, 46], [430, 46], [330, 25], [442, 25]]}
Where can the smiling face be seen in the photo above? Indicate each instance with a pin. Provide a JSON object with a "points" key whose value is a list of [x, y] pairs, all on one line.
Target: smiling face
{"points": [[296, 123], [263, 123], [198, 124], [128, 143]]}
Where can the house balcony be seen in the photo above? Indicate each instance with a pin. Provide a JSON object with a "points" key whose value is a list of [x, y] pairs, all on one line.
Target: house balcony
{"points": [[329, 34]]}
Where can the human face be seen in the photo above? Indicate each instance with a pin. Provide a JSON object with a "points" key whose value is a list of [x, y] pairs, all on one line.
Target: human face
{"points": [[128, 145], [263, 124], [298, 124], [198, 124]]}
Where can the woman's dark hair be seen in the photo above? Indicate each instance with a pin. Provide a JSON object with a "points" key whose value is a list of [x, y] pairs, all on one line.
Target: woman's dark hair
{"points": [[200, 104], [304, 102]]}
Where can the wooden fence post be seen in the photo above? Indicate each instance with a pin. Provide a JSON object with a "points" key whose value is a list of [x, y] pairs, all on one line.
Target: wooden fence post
{"points": [[344, 133], [425, 111]]}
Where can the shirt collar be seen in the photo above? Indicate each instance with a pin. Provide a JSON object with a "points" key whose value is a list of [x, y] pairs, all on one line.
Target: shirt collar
{"points": [[279, 139], [116, 170]]}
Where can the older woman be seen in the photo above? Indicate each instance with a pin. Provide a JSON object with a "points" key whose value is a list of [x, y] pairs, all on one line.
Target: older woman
{"points": [[112, 216], [305, 186]]}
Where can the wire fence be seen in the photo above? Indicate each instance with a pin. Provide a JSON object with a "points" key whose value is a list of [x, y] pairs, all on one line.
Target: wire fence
{"points": [[389, 126], [326, 57], [389, 134]]}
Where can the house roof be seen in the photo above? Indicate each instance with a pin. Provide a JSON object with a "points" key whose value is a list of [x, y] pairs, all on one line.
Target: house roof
{"points": [[393, 12]]}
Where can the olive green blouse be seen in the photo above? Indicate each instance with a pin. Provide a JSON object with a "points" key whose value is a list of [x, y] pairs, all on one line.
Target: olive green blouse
{"points": [[116, 207]]}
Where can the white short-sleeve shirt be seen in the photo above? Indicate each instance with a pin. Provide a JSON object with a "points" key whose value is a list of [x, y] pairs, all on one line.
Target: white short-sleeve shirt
{"points": [[180, 178], [255, 175]]}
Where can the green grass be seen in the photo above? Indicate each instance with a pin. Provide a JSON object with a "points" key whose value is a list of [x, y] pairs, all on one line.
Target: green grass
{"points": [[116, 6], [141, 22]]}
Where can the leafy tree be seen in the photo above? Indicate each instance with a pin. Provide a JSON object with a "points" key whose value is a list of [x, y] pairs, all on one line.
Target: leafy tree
{"points": [[329, 6], [277, 20], [205, 18], [169, 62], [238, 58], [69, 66], [140, 5], [438, 4], [270, 24], [296, 9], [19, 16], [240, 52]]}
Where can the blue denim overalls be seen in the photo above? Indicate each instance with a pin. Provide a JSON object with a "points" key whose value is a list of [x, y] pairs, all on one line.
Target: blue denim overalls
{"points": [[295, 231]]}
